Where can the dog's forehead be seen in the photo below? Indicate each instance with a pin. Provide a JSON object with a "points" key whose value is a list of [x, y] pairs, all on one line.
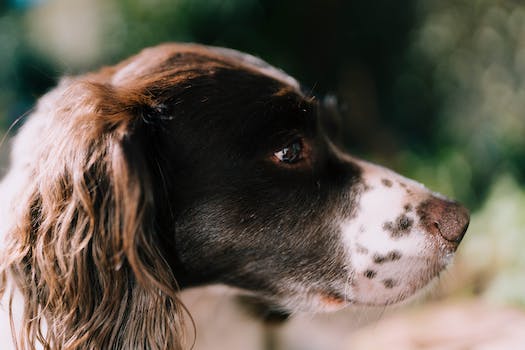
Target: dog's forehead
{"points": [[257, 63], [148, 61]]}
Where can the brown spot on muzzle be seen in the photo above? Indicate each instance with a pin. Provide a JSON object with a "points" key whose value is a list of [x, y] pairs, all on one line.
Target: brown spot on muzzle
{"points": [[391, 256], [400, 227], [387, 182], [361, 249], [447, 218], [389, 283], [370, 274]]}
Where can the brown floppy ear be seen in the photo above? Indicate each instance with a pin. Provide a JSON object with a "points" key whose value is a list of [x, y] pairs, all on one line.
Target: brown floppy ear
{"points": [[83, 249]]}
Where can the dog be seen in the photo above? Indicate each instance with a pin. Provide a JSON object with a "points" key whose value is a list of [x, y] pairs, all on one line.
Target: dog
{"points": [[187, 165]]}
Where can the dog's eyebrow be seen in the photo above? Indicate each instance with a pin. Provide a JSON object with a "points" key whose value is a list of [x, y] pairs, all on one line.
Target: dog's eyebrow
{"points": [[291, 111], [278, 123]]}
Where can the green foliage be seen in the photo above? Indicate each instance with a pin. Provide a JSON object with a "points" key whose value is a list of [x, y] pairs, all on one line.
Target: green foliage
{"points": [[493, 250], [477, 70]]}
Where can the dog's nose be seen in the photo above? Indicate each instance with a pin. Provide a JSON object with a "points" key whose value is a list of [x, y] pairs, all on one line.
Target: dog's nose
{"points": [[444, 217]]}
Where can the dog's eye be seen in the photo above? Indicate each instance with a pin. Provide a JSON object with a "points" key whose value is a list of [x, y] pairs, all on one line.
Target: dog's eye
{"points": [[291, 153]]}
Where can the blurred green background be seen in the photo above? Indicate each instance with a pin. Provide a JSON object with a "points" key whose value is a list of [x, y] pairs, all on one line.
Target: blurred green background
{"points": [[434, 88]]}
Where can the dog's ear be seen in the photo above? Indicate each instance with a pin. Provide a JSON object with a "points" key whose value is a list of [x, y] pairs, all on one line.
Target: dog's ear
{"points": [[84, 250]]}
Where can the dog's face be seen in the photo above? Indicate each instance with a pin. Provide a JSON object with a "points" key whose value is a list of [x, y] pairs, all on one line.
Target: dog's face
{"points": [[261, 199]]}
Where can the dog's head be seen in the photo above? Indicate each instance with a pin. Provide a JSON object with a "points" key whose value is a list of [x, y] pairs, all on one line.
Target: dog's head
{"points": [[205, 165], [263, 199]]}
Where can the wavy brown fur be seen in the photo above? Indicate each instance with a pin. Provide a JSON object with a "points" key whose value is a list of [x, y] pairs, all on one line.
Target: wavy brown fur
{"points": [[83, 247]]}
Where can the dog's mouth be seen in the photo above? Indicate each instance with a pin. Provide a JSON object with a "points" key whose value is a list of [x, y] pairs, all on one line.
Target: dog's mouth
{"points": [[376, 287], [386, 291]]}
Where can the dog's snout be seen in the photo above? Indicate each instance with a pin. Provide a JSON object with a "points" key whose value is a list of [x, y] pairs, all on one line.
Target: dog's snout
{"points": [[447, 218]]}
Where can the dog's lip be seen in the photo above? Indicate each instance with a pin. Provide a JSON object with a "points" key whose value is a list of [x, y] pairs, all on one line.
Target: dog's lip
{"points": [[334, 298], [413, 287]]}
